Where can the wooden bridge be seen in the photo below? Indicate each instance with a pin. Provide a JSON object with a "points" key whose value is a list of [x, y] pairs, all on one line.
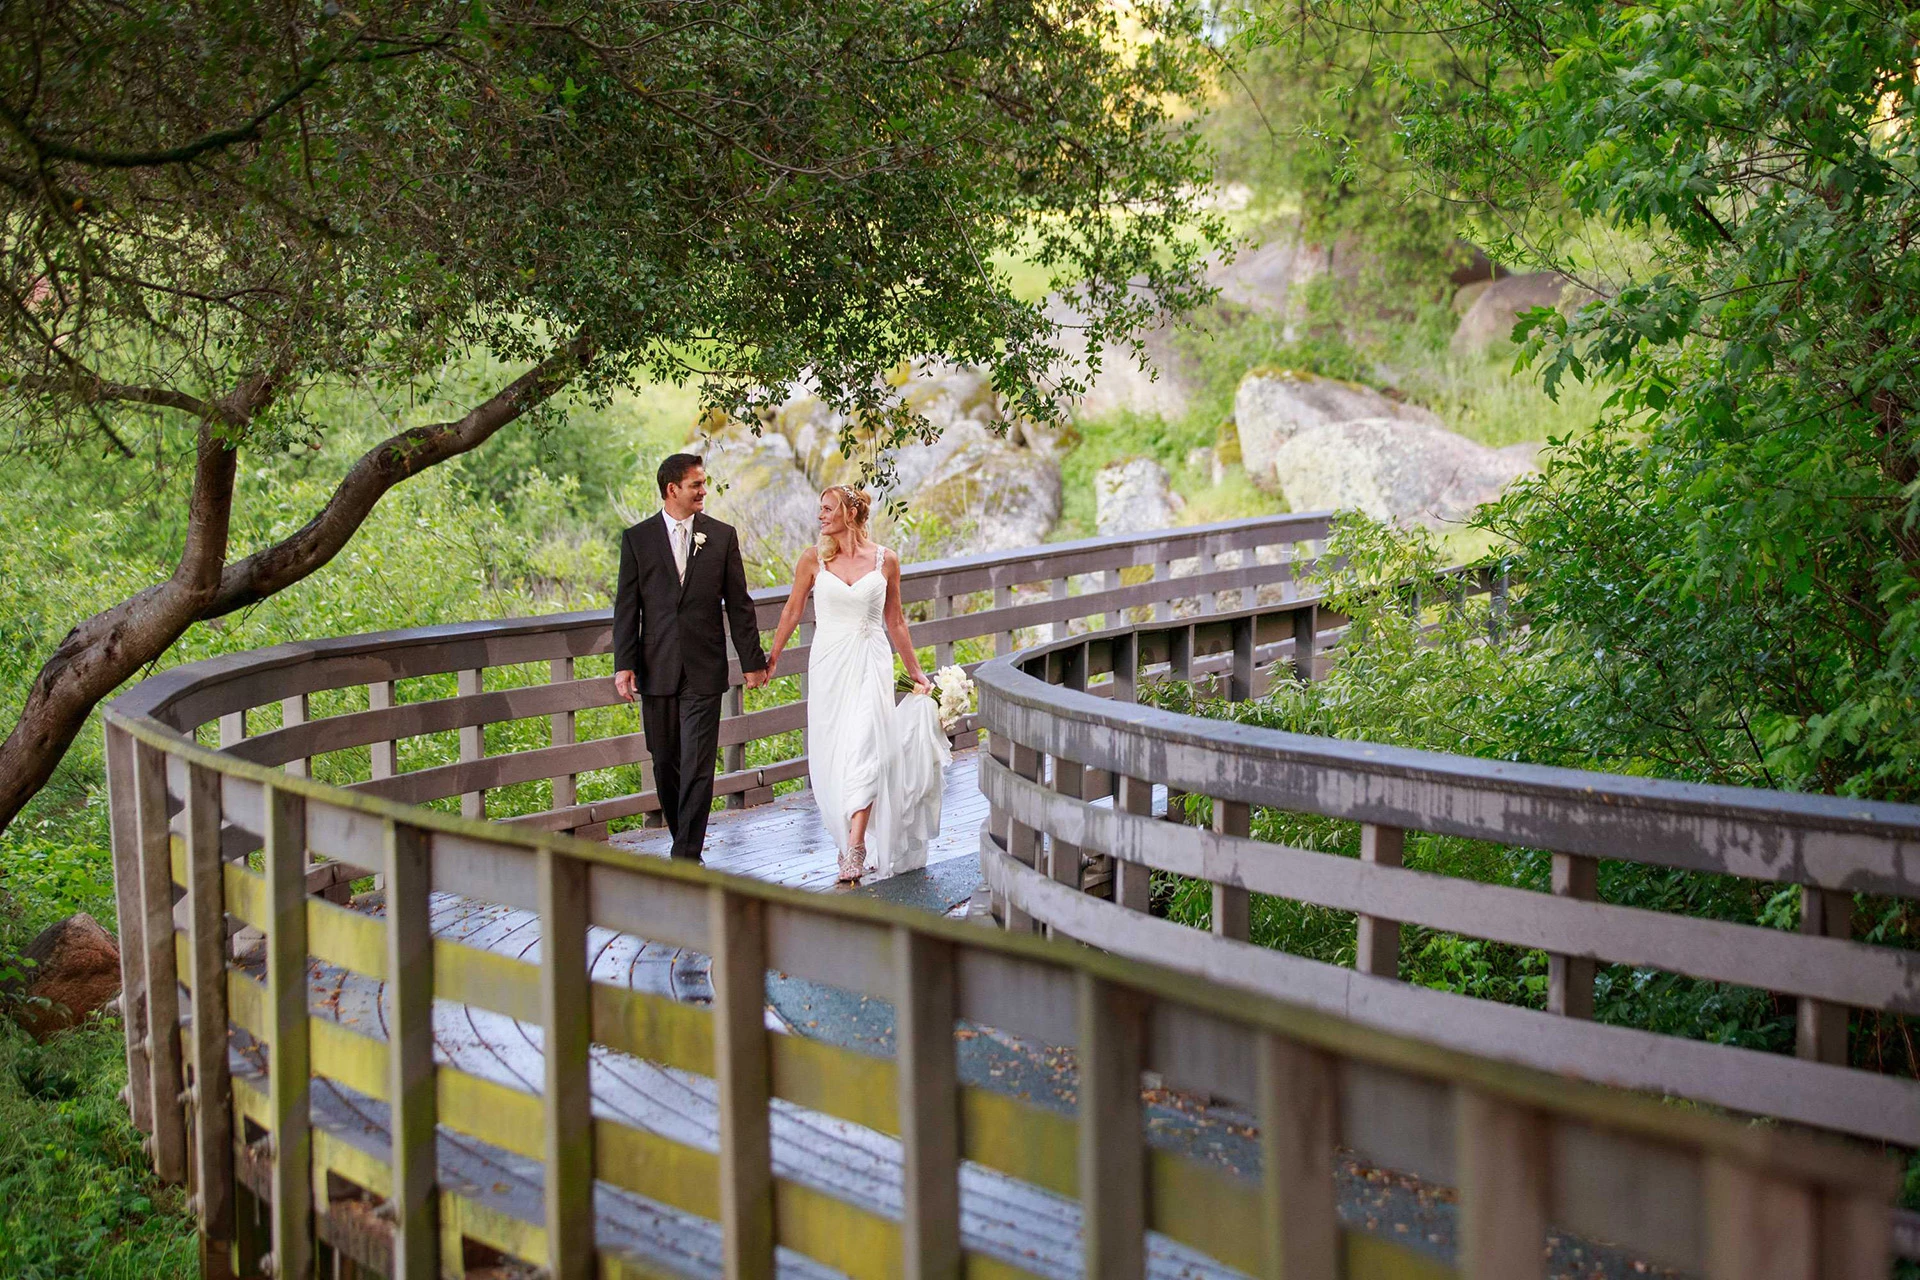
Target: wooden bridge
{"points": [[529, 1049]]}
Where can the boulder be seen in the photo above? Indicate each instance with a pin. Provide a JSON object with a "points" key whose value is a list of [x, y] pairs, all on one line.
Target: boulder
{"points": [[1489, 322], [1471, 265], [1133, 497], [1263, 280], [1274, 405], [72, 968], [813, 430], [1393, 469], [983, 492], [986, 483], [759, 489]]}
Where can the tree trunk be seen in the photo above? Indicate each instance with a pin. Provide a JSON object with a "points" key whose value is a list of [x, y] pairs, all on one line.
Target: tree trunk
{"points": [[97, 656], [106, 650]]}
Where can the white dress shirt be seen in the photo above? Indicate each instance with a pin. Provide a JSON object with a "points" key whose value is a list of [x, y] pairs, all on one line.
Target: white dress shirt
{"points": [[680, 537]]}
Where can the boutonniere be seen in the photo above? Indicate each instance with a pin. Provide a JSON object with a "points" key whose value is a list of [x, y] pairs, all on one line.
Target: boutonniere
{"points": [[699, 541]]}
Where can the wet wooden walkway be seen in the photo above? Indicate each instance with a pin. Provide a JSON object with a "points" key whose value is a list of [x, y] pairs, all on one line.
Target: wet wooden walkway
{"points": [[786, 843], [1001, 1218]]}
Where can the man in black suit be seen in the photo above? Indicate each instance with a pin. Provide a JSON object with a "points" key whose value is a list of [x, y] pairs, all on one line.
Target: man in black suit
{"points": [[678, 570]]}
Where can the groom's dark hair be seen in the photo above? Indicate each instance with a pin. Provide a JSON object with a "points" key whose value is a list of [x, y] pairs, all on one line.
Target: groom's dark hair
{"points": [[675, 468]]}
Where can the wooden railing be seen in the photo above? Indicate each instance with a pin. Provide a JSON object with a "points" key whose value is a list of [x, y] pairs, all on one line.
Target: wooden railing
{"points": [[232, 1067], [1070, 772], [260, 701]]}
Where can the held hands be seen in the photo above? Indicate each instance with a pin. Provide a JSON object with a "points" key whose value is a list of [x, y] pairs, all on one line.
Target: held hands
{"points": [[624, 684], [754, 679]]}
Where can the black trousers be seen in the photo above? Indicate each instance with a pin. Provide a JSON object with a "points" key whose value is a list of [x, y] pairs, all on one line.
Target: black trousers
{"points": [[683, 734]]}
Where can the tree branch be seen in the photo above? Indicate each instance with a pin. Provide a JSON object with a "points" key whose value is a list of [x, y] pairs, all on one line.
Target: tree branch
{"points": [[220, 139], [381, 468]]}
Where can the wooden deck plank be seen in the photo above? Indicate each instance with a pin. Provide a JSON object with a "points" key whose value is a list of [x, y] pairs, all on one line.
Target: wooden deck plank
{"points": [[1000, 1217], [786, 843]]}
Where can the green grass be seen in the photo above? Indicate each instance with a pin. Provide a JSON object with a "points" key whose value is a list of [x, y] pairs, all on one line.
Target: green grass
{"points": [[77, 1197]]}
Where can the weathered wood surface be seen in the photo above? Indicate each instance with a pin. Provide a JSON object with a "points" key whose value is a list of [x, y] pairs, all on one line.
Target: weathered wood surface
{"points": [[1041, 704], [1071, 740], [999, 1216]]}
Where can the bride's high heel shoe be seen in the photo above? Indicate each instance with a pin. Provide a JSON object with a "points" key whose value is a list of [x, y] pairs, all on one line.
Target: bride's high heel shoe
{"points": [[853, 865]]}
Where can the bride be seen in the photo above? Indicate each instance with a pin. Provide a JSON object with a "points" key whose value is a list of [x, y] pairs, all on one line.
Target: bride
{"points": [[875, 768]]}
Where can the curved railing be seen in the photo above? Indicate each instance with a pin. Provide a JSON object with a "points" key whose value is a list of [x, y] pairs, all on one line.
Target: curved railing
{"points": [[1070, 773], [224, 860]]}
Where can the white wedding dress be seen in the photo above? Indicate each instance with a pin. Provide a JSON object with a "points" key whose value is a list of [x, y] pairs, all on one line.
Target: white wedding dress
{"points": [[861, 749]]}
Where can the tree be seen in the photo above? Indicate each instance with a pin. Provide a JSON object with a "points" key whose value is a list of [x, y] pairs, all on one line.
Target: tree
{"points": [[1310, 117], [1733, 554], [211, 210]]}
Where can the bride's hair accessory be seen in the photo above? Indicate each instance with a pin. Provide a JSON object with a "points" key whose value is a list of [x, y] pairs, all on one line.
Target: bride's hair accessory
{"points": [[857, 505]]}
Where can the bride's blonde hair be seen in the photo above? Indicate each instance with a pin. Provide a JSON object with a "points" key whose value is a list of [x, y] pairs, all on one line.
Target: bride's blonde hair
{"points": [[856, 505]]}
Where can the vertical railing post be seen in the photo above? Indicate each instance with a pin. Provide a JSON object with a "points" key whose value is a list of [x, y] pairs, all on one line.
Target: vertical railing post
{"points": [[1113, 1171], [1505, 1178], [233, 729], [1059, 629], [1023, 842], [380, 754], [1570, 978], [562, 733], [1821, 1032], [1209, 600], [803, 635], [942, 649], [1068, 669], [294, 711], [212, 1090], [413, 1126], [736, 929], [1240, 682], [473, 746], [1760, 1226], [129, 908], [162, 979], [1162, 571], [564, 1008], [1002, 640], [1180, 672], [1232, 904], [288, 1057], [1110, 581], [733, 756], [1133, 881], [1377, 941], [924, 1009], [1306, 627], [1299, 1118], [1126, 667]]}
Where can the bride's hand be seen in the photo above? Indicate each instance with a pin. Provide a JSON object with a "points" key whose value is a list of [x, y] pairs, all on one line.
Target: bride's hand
{"points": [[922, 685]]}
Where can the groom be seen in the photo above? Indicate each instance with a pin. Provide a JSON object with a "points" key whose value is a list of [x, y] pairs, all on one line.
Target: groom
{"points": [[677, 571]]}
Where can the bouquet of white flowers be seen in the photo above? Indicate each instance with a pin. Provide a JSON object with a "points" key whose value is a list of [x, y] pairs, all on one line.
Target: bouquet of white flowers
{"points": [[953, 690]]}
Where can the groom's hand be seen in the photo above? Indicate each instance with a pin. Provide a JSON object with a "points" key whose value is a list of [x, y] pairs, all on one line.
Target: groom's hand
{"points": [[624, 683]]}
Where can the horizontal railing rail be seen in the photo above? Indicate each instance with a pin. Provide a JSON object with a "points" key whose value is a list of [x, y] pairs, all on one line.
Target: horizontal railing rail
{"points": [[244, 1087], [984, 599], [1072, 842], [310, 1137]]}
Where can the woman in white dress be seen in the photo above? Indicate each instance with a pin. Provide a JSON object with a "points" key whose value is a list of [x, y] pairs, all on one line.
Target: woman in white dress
{"points": [[869, 763]]}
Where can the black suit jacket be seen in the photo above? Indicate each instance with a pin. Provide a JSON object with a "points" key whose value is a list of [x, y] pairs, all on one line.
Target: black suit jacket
{"points": [[665, 632]]}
